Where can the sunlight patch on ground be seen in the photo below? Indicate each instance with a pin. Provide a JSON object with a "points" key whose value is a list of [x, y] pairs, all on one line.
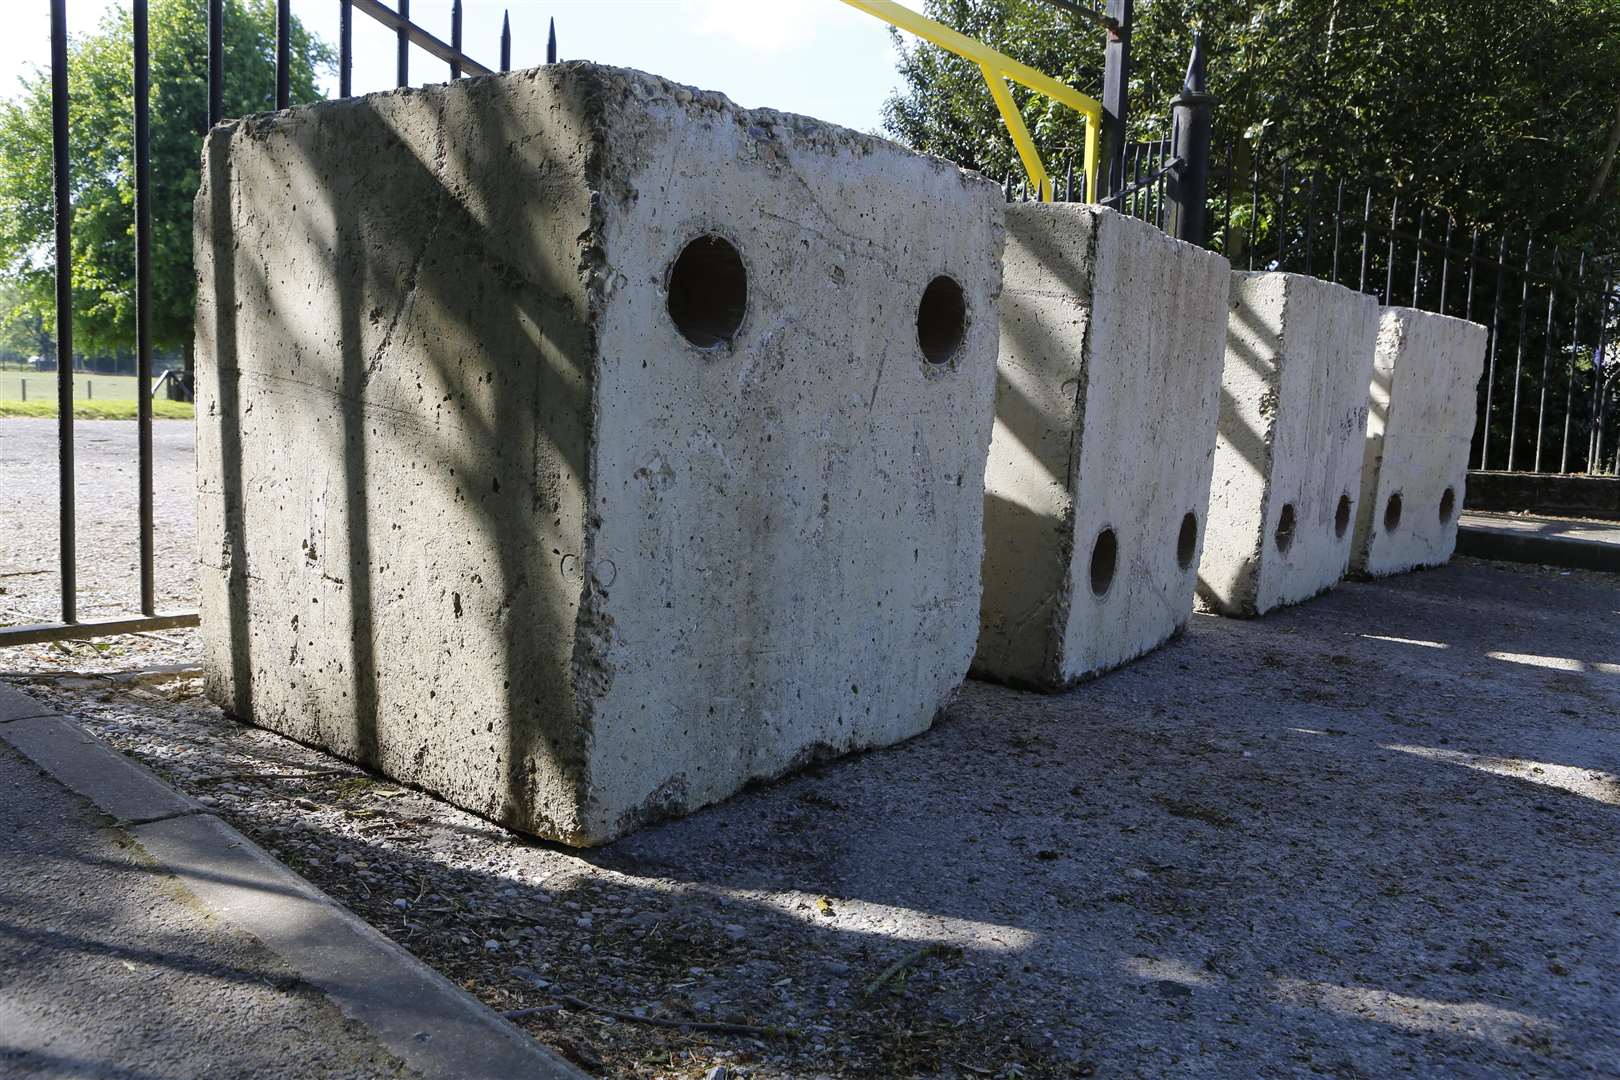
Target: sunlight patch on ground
{"points": [[884, 920], [1592, 783], [1471, 1019], [1155, 969], [1407, 641], [1557, 663]]}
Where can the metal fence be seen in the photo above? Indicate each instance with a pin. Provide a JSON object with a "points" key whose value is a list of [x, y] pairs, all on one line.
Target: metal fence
{"points": [[1547, 401], [409, 33], [1549, 397]]}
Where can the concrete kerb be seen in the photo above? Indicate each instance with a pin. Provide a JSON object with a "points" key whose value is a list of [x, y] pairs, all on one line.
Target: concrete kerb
{"points": [[428, 1022], [16, 705]]}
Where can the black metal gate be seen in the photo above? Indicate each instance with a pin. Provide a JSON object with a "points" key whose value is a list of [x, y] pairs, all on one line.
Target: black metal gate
{"points": [[70, 626]]}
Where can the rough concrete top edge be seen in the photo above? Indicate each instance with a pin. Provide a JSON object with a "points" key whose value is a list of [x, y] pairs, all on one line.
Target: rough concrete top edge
{"points": [[609, 77], [1400, 313], [1292, 280], [1106, 216]]}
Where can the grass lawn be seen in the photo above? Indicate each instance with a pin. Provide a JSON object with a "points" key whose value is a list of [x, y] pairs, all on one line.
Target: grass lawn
{"points": [[99, 410], [42, 385]]}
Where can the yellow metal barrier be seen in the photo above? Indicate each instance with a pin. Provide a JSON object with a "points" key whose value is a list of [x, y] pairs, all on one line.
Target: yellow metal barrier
{"points": [[998, 68]]}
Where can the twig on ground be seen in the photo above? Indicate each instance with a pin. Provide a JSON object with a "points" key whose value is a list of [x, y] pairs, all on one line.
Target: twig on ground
{"points": [[935, 949], [316, 775], [536, 1010]]}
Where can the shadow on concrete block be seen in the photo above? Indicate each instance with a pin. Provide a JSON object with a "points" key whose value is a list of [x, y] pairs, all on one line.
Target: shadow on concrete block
{"points": [[1107, 396], [1419, 426], [579, 446], [1288, 460]]}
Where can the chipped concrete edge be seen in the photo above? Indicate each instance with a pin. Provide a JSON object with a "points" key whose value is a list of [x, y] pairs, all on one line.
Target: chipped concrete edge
{"points": [[428, 1022]]}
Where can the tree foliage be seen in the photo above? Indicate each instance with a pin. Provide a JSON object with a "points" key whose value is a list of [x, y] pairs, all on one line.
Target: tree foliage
{"points": [[1498, 112], [101, 120]]}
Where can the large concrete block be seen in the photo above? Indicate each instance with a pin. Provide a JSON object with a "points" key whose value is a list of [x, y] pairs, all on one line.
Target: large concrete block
{"points": [[1108, 388], [579, 446], [1421, 421], [1288, 460]]}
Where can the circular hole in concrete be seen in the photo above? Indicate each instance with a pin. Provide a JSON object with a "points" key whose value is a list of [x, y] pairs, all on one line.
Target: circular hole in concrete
{"points": [[1104, 558], [1187, 540], [1392, 513], [1285, 527], [708, 292], [1341, 516], [941, 319], [1448, 505]]}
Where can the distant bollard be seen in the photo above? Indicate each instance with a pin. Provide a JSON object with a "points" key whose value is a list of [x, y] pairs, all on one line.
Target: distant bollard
{"points": [[89, 390], [1112, 341], [1288, 461], [24, 389], [1419, 427]]}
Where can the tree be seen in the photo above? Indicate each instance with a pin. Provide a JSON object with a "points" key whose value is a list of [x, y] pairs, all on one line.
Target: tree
{"points": [[101, 119], [1498, 112]]}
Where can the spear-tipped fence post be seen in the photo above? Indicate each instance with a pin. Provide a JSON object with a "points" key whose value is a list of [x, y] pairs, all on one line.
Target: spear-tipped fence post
{"points": [[1193, 110]]}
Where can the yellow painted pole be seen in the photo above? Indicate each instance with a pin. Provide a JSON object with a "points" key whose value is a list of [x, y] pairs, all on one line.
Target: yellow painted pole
{"points": [[1027, 153], [997, 68]]}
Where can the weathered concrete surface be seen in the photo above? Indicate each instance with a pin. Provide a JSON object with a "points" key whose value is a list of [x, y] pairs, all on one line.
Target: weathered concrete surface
{"points": [[1107, 393], [474, 511], [1419, 426], [1288, 461]]}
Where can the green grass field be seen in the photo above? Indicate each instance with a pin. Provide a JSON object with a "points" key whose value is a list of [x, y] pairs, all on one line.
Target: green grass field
{"points": [[162, 409], [42, 386]]}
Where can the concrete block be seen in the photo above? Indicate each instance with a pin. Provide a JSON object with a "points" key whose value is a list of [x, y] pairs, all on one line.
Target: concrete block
{"points": [[1425, 373], [1288, 460], [579, 447], [1109, 373]]}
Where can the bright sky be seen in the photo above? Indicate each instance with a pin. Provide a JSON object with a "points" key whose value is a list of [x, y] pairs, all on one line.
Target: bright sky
{"points": [[818, 57]]}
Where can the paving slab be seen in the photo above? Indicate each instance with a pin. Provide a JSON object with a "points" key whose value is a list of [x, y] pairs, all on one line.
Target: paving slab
{"points": [[235, 965], [1539, 538], [109, 969]]}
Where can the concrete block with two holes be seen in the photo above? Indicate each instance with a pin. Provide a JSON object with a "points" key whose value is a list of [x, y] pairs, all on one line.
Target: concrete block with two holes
{"points": [[579, 446], [1288, 461], [1112, 336], [1425, 371]]}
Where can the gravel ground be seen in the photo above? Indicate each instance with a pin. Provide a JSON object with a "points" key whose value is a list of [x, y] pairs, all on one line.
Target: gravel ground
{"points": [[106, 498], [1372, 835]]}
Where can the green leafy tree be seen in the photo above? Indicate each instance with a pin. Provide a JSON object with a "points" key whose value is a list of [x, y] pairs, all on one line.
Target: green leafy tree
{"points": [[1498, 112], [101, 117]]}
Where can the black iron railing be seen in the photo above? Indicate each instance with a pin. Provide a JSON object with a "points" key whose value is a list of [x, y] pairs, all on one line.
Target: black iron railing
{"points": [[1549, 397], [70, 625]]}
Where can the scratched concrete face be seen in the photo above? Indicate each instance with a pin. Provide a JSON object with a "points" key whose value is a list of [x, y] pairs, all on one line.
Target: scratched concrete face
{"points": [[1287, 476], [1112, 336], [1419, 427], [580, 447]]}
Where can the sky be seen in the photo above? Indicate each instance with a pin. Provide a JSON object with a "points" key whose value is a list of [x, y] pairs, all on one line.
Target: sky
{"points": [[818, 57]]}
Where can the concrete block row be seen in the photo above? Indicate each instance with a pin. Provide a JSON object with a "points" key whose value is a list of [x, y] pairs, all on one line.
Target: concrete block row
{"points": [[581, 447]]}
